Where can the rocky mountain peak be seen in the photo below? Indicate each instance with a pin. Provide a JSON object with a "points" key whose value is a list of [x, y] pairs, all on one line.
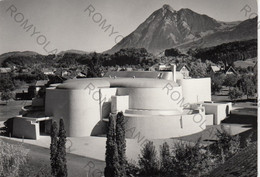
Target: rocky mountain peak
{"points": [[167, 7]]}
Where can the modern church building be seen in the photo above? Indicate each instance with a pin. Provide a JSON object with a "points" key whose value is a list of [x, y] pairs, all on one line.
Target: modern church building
{"points": [[158, 104]]}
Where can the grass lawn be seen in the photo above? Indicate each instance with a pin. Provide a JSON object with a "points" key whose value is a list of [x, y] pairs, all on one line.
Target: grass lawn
{"points": [[39, 160], [12, 108], [222, 96], [245, 63]]}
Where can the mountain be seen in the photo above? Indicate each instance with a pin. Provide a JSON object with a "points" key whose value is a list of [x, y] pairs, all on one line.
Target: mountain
{"points": [[245, 30], [17, 54], [72, 51], [167, 28]]}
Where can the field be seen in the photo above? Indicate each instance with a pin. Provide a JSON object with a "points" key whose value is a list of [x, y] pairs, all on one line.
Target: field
{"points": [[12, 108], [244, 64]]}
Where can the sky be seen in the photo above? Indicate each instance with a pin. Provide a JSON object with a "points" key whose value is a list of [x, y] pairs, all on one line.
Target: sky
{"points": [[51, 26]]}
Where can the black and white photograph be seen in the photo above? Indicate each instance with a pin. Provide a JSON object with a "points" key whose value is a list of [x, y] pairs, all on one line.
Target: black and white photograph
{"points": [[140, 88]]}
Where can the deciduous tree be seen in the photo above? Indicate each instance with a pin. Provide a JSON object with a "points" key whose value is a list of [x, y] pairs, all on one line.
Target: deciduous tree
{"points": [[230, 80], [6, 96], [235, 93]]}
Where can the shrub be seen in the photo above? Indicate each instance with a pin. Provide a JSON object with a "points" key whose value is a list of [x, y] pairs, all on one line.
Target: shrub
{"points": [[6, 83], [226, 146], [166, 159], [12, 158], [44, 172], [230, 80], [216, 83], [6, 96], [191, 160], [148, 161], [234, 94], [35, 171], [132, 169], [8, 127], [185, 159], [249, 139]]}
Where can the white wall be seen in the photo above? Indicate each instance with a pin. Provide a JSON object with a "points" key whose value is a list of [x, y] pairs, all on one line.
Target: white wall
{"points": [[196, 90], [23, 128], [153, 98], [79, 108], [155, 127], [219, 110], [119, 103], [105, 100]]}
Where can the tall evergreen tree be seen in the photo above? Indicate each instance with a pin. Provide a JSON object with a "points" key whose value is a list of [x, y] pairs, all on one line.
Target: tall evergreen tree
{"points": [[61, 152], [112, 165], [121, 142], [148, 161], [53, 148], [166, 160]]}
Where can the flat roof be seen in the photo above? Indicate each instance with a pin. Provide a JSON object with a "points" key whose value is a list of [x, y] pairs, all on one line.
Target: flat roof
{"points": [[81, 84]]}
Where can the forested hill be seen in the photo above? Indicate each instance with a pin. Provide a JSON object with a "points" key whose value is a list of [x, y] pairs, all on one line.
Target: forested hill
{"points": [[228, 52]]}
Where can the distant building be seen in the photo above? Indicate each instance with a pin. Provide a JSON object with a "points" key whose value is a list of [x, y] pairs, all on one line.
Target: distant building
{"points": [[5, 70], [47, 71], [129, 69], [151, 68], [183, 69], [24, 70], [162, 67], [120, 69], [41, 83], [215, 69], [62, 72], [81, 75], [231, 70]]}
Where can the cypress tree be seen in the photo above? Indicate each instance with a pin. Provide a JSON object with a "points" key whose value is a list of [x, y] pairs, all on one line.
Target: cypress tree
{"points": [[61, 152], [112, 165], [121, 142], [53, 148]]}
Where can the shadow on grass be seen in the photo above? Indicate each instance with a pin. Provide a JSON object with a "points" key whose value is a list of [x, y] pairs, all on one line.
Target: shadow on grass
{"points": [[241, 119], [253, 100], [8, 128]]}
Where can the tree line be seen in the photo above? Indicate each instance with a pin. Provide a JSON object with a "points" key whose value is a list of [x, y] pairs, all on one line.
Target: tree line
{"points": [[182, 159], [228, 52]]}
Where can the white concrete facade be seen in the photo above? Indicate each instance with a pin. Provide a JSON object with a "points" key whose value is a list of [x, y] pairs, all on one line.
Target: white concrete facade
{"points": [[154, 104], [219, 111]]}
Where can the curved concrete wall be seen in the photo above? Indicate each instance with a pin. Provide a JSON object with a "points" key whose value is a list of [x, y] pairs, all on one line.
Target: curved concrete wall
{"points": [[156, 127], [152, 98], [166, 75], [80, 109]]}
